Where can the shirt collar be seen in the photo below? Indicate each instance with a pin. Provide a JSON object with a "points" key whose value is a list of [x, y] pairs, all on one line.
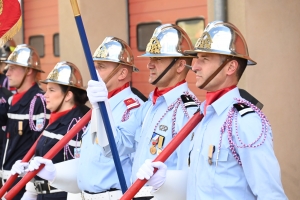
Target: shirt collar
{"points": [[169, 96], [224, 102]]}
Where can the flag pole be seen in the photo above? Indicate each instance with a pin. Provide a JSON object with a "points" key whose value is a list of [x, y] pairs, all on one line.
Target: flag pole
{"points": [[102, 106]]}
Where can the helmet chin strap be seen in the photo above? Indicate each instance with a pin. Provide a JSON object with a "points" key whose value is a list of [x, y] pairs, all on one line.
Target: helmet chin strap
{"points": [[112, 73], [23, 79], [215, 73], [165, 71], [61, 103]]}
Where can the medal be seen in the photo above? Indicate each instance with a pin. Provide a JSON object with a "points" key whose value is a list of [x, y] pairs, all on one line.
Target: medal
{"points": [[158, 151], [211, 150], [153, 150], [20, 127]]}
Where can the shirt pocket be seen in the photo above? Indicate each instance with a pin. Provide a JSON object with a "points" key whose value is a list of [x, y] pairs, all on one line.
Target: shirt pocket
{"points": [[206, 172]]}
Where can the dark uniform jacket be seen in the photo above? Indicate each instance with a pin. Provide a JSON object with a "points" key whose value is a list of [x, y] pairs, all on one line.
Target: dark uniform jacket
{"points": [[3, 81], [4, 106], [20, 141]]}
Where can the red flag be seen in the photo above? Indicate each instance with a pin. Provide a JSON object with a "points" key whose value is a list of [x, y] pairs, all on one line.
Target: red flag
{"points": [[10, 19]]}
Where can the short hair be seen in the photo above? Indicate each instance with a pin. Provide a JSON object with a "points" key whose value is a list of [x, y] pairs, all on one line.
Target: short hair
{"points": [[242, 63]]}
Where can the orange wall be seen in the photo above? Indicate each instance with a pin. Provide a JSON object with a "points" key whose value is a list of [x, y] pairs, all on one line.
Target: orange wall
{"points": [[41, 18], [165, 11]]}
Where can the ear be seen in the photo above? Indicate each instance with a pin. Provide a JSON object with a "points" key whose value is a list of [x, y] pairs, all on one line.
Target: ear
{"points": [[180, 66], [123, 74], [29, 71], [69, 96], [232, 68]]}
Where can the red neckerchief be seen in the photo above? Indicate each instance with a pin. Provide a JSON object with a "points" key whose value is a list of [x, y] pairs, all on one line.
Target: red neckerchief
{"points": [[157, 93], [213, 96], [55, 115], [116, 91], [18, 96]]}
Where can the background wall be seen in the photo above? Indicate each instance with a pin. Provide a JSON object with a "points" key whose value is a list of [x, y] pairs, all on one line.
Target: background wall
{"points": [[100, 18], [272, 34]]}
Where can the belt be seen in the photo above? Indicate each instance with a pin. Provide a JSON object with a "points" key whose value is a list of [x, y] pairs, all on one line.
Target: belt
{"points": [[109, 195], [5, 174], [144, 192], [43, 187]]}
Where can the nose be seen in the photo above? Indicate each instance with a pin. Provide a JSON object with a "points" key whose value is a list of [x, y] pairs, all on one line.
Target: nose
{"points": [[196, 67], [151, 65]]}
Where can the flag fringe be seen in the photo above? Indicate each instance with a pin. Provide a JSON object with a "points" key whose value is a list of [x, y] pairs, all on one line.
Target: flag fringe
{"points": [[13, 31]]}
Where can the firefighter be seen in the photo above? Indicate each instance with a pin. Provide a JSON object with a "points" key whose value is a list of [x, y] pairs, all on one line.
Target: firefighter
{"points": [[65, 98], [27, 114], [5, 51], [231, 155]]}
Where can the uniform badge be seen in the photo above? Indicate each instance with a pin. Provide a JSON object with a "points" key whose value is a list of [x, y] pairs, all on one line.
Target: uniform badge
{"points": [[163, 128], [204, 42], [211, 150], [2, 100], [39, 124], [153, 46], [77, 152], [131, 103], [188, 101], [243, 109]]}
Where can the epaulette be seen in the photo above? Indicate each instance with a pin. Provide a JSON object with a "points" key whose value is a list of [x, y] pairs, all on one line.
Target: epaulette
{"points": [[131, 103], [188, 101], [243, 109]]}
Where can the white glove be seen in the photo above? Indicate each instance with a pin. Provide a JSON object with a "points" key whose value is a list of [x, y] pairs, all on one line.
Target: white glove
{"points": [[146, 172], [48, 172], [96, 92], [19, 168], [29, 196]]}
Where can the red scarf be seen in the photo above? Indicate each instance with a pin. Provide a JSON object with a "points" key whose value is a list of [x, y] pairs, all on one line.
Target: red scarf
{"points": [[55, 115], [18, 96], [213, 96], [157, 93], [116, 91]]}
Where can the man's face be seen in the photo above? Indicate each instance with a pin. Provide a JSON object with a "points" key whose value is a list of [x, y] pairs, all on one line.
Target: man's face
{"points": [[104, 69], [15, 75], [156, 66], [205, 65]]}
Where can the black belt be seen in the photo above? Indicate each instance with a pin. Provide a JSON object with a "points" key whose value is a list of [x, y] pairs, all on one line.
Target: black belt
{"points": [[110, 190], [43, 187]]}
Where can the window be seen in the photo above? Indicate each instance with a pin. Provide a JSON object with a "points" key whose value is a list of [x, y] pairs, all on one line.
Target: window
{"points": [[38, 43], [193, 27], [56, 45], [144, 33]]}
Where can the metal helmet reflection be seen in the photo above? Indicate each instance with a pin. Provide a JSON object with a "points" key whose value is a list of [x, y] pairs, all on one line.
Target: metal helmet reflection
{"points": [[222, 38], [6, 49], [25, 56], [168, 40], [65, 73], [115, 50]]}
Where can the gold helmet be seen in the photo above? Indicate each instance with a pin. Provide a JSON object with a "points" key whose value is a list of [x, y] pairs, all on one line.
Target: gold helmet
{"points": [[222, 38], [115, 50], [6, 49], [168, 40], [25, 56], [65, 73]]}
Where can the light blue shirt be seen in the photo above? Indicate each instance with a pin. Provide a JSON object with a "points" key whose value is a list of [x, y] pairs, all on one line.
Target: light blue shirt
{"points": [[135, 134], [97, 173], [259, 175]]}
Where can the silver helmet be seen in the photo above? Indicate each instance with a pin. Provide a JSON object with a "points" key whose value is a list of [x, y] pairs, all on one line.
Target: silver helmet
{"points": [[65, 73], [25, 56], [115, 50], [222, 38], [168, 40]]}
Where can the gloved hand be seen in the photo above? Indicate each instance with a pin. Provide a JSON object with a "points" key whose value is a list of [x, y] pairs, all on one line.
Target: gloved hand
{"points": [[96, 92], [146, 172], [29, 196], [48, 172], [19, 168]]}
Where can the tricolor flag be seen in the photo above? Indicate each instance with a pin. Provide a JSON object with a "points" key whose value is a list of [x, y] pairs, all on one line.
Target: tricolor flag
{"points": [[10, 19]]}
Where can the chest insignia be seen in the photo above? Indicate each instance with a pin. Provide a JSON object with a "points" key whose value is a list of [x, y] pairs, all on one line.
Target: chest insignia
{"points": [[188, 101], [243, 109]]}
